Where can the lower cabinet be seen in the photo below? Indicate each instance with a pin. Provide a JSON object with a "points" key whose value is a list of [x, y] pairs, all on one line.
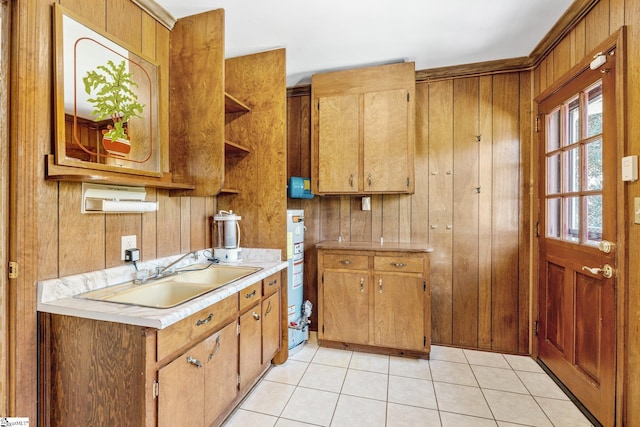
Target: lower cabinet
{"points": [[201, 383], [191, 373], [377, 300]]}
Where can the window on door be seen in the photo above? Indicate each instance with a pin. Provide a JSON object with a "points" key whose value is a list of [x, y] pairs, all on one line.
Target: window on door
{"points": [[574, 168]]}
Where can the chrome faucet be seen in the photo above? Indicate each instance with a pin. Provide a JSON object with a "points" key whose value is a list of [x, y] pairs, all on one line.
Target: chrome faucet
{"points": [[165, 271]]}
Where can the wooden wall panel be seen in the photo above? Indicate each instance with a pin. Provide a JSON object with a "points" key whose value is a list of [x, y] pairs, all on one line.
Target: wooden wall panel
{"points": [[475, 287], [440, 155], [506, 204], [485, 199], [261, 175], [597, 25], [465, 212]]}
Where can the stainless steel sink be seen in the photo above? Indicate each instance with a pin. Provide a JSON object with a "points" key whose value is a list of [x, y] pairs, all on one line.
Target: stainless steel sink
{"points": [[173, 290]]}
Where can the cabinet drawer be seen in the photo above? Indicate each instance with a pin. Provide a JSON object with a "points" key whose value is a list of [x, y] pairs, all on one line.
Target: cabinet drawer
{"points": [[250, 295], [346, 261], [205, 321], [398, 264], [271, 284]]}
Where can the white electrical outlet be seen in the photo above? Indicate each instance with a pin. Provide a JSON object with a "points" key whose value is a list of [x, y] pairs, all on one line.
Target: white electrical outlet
{"points": [[128, 242]]}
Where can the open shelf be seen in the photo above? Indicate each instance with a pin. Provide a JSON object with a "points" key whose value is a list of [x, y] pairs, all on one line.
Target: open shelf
{"points": [[234, 105], [234, 149]]}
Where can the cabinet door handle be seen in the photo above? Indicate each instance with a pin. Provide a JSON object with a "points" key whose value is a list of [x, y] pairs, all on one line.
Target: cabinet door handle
{"points": [[361, 284], [351, 180], [369, 179], [205, 320], [251, 294], [398, 264], [268, 309], [193, 361], [380, 286], [215, 350], [345, 261], [255, 315]]}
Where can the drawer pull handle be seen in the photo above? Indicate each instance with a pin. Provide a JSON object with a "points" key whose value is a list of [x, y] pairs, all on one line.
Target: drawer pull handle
{"points": [[380, 286], [251, 294], [273, 282], [268, 309], [255, 315], [398, 264], [361, 284], [193, 361], [345, 262], [207, 319], [216, 350]]}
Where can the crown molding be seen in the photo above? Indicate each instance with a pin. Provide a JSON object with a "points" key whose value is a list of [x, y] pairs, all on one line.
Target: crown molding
{"points": [[157, 12]]}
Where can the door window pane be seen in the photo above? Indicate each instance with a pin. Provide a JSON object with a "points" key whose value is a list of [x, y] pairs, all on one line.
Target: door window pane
{"points": [[573, 124], [594, 219], [572, 160], [554, 218], [572, 218], [553, 131], [593, 154], [594, 110], [553, 174]]}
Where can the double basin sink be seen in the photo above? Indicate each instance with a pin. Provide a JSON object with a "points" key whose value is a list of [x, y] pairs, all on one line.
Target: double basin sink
{"points": [[170, 291]]}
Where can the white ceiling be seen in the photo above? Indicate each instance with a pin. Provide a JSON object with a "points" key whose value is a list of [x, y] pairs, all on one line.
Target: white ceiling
{"points": [[337, 34]]}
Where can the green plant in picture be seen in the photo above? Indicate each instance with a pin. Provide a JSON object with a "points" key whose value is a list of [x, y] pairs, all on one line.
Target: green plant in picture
{"points": [[110, 87]]}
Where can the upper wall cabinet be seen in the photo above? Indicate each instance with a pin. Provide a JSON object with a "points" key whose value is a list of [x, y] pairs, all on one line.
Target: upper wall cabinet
{"points": [[363, 130], [197, 102]]}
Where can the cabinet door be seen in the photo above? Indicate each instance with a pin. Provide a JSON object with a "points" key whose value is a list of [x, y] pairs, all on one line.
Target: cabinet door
{"points": [[181, 391], [250, 345], [346, 307], [221, 371], [399, 311], [338, 144], [388, 166], [270, 327]]}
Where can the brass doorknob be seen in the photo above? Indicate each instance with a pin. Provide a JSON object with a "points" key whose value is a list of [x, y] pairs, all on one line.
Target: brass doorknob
{"points": [[606, 270]]}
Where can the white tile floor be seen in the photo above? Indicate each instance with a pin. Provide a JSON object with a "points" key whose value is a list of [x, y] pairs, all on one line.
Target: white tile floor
{"points": [[468, 388]]}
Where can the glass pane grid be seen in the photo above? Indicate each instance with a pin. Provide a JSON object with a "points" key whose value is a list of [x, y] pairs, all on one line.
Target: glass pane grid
{"points": [[574, 170]]}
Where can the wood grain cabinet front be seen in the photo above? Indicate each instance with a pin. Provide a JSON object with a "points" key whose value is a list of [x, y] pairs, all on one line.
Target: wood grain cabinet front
{"points": [[363, 136], [197, 387], [191, 373], [377, 301]]}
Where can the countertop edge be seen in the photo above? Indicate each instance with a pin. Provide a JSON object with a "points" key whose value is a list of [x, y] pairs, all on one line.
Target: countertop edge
{"points": [[154, 317], [375, 246]]}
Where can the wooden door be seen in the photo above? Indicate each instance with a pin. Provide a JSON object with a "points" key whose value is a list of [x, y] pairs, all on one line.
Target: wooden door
{"points": [[338, 144], [577, 314], [386, 141], [221, 372], [270, 327], [345, 306], [399, 311], [181, 390], [250, 346]]}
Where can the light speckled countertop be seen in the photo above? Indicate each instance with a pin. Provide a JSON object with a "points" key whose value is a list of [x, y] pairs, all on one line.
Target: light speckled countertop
{"points": [[58, 296]]}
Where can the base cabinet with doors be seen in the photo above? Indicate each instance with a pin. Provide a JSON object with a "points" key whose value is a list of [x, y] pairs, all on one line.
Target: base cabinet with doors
{"points": [[191, 373], [374, 297]]}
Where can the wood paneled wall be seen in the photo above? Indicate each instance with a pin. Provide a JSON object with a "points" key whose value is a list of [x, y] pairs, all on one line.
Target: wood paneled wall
{"points": [[471, 204], [606, 18], [49, 236]]}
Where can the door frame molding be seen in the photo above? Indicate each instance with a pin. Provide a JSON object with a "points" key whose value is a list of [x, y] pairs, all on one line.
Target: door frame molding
{"points": [[617, 41]]}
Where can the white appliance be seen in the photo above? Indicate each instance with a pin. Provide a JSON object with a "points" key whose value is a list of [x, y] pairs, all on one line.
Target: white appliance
{"points": [[298, 311], [226, 229]]}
